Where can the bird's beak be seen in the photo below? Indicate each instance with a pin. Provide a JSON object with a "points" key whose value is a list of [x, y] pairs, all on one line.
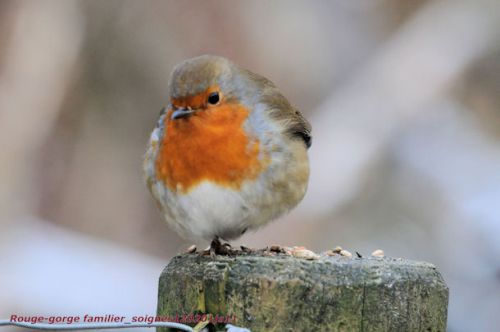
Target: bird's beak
{"points": [[181, 113]]}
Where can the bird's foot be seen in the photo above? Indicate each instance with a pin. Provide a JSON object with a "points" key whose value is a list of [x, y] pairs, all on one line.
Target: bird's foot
{"points": [[218, 248]]}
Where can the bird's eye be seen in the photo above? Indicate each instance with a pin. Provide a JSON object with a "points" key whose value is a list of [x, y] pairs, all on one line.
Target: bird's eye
{"points": [[213, 98]]}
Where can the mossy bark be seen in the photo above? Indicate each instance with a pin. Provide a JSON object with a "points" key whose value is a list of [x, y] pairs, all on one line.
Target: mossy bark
{"points": [[284, 293]]}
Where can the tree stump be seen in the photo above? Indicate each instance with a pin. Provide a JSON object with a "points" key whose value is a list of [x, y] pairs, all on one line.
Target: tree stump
{"points": [[278, 292]]}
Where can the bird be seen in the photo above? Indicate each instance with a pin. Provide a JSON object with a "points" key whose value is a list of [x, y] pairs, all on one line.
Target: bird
{"points": [[229, 153]]}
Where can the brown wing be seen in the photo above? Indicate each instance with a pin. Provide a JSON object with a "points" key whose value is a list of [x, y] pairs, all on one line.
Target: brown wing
{"points": [[301, 128], [296, 125]]}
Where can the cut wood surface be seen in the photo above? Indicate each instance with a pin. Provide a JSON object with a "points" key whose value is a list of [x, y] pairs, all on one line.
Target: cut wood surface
{"points": [[277, 292]]}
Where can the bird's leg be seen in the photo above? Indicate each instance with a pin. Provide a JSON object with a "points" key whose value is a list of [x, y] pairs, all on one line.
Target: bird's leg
{"points": [[219, 248], [215, 247]]}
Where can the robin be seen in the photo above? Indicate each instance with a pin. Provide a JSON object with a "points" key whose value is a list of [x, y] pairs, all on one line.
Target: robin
{"points": [[229, 152]]}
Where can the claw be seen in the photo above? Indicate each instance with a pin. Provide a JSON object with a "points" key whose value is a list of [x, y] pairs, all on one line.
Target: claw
{"points": [[218, 248]]}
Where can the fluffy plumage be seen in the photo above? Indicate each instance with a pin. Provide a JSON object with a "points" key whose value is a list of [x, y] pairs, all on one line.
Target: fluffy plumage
{"points": [[231, 166]]}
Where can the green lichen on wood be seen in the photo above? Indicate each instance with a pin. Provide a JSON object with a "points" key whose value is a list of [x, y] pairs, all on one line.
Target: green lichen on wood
{"points": [[283, 293]]}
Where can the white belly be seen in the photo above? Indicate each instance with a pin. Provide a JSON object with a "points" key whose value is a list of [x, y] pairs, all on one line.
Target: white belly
{"points": [[208, 210]]}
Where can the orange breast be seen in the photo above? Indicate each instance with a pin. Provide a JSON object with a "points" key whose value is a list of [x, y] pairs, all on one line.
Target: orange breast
{"points": [[209, 145]]}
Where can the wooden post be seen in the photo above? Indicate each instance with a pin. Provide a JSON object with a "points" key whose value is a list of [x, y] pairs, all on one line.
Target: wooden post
{"points": [[265, 292]]}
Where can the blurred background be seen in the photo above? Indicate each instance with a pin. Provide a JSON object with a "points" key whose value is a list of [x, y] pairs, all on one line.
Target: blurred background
{"points": [[403, 97]]}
